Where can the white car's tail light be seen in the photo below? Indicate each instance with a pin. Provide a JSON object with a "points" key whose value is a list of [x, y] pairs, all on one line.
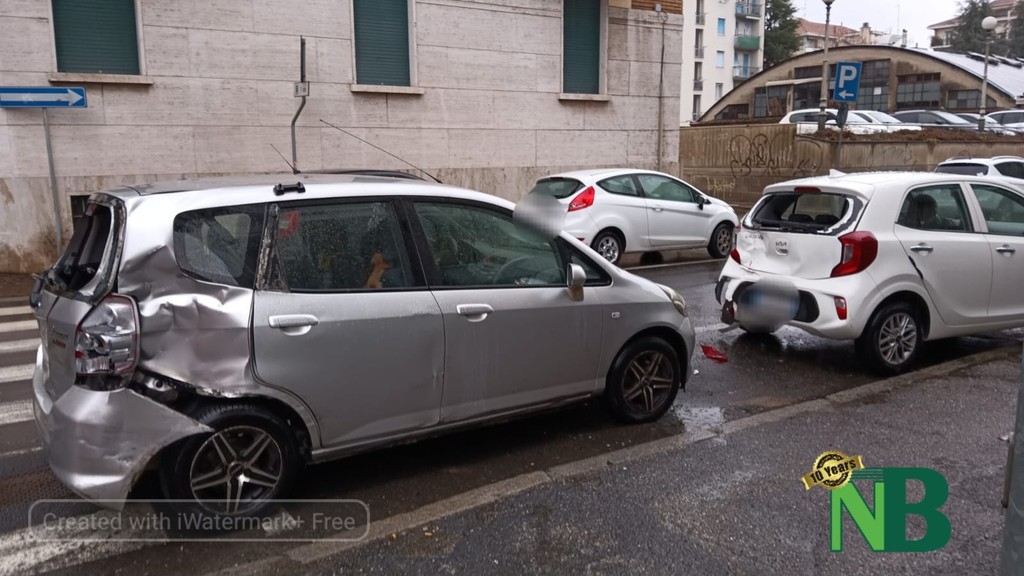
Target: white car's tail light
{"points": [[582, 200], [859, 250], [107, 344]]}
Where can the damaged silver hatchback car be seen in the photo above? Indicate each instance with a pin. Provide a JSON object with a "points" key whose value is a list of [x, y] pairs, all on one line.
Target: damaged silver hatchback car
{"points": [[227, 332]]}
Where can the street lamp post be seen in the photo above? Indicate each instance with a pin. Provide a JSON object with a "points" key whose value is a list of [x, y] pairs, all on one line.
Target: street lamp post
{"points": [[989, 24], [824, 69]]}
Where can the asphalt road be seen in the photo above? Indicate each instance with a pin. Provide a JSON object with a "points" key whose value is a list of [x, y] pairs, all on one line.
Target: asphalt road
{"points": [[762, 373]]}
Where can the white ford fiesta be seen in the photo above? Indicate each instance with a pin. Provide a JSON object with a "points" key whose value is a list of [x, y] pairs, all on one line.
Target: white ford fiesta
{"points": [[888, 260], [624, 210]]}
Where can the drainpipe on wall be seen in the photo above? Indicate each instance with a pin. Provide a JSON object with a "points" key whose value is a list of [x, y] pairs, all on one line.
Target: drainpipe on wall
{"points": [[301, 91]]}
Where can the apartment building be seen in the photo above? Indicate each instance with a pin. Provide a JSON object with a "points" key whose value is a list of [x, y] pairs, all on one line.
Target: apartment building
{"points": [[723, 45], [1002, 10]]}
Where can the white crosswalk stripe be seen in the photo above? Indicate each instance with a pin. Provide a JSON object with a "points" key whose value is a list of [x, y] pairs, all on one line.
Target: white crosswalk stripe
{"points": [[29, 344], [15, 412], [19, 326], [15, 311], [16, 373]]}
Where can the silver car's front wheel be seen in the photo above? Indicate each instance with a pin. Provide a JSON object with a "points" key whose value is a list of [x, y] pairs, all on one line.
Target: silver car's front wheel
{"points": [[643, 381]]}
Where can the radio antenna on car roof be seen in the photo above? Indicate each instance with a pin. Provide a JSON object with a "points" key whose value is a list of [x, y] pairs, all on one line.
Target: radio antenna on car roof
{"points": [[434, 178]]}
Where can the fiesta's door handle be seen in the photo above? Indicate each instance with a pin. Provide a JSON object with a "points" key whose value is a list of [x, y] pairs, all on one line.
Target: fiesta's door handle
{"points": [[474, 312], [922, 248], [1004, 249], [294, 324]]}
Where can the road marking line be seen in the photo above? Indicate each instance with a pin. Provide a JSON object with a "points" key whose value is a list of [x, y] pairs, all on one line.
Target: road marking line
{"points": [[21, 326], [16, 373], [19, 345], [672, 265], [14, 413], [14, 453], [16, 311], [23, 552]]}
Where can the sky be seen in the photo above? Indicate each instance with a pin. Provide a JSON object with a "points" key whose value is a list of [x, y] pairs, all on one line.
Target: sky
{"points": [[884, 15]]}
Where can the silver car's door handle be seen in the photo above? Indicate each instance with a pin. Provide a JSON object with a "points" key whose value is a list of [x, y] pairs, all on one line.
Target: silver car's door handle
{"points": [[922, 248], [474, 312], [1004, 249], [294, 324]]}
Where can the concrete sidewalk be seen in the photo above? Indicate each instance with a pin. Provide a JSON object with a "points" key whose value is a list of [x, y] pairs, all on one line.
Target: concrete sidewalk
{"points": [[726, 500]]}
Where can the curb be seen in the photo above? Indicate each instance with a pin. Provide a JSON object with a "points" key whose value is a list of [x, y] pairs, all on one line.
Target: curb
{"points": [[307, 553]]}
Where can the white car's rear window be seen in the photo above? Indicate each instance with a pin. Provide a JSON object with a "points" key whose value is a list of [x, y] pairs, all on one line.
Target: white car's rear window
{"points": [[808, 212], [557, 187]]}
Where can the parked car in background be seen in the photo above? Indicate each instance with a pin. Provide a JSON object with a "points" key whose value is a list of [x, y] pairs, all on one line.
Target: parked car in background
{"points": [[229, 331], [618, 211], [808, 121], [888, 260], [990, 124], [942, 119], [890, 123], [1013, 119], [1012, 166]]}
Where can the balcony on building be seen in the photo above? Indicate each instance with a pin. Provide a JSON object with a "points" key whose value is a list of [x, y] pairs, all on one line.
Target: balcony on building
{"points": [[698, 52], [744, 72], [748, 9], [700, 18], [745, 42], [698, 85]]}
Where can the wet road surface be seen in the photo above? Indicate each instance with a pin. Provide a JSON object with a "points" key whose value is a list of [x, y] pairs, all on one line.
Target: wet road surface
{"points": [[762, 373]]}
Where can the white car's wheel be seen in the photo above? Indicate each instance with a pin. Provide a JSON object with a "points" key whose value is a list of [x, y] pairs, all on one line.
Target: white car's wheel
{"points": [[892, 339], [609, 246]]}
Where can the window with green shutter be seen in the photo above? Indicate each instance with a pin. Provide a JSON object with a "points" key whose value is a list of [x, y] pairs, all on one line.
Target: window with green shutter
{"points": [[581, 46], [382, 42], [96, 36]]}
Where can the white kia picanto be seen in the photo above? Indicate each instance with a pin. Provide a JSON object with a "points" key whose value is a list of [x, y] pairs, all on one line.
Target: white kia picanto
{"points": [[888, 260]]}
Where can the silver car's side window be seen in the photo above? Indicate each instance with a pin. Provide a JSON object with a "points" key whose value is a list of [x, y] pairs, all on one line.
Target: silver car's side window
{"points": [[341, 247], [220, 245], [1003, 210], [473, 246], [940, 208]]}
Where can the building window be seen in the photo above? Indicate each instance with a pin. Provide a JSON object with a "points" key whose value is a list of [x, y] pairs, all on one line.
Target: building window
{"points": [[770, 101], [806, 95], [807, 72], [874, 85], [581, 46], [967, 100], [698, 71], [918, 91], [719, 90], [697, 112], [96, 36], [721, 26], [720, 59], [382, 42], [734, 112]]}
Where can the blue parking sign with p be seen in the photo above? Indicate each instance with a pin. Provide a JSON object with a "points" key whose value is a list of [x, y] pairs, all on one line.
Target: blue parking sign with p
{"points": [[847, 82]]}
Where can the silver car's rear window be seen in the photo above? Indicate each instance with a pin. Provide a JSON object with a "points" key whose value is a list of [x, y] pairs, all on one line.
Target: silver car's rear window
{"points": [[83, 256], [557, 187], [220, 245], [808, 212]]}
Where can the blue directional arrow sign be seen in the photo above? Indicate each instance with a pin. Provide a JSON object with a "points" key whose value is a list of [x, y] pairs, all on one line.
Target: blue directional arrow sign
{"points": [[42, 97], [847, 82]]}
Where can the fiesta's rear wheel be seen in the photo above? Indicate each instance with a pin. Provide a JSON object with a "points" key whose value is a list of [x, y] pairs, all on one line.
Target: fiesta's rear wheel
{"points": [[720, 243], [644, 381], [249, 459], [609, 245]]}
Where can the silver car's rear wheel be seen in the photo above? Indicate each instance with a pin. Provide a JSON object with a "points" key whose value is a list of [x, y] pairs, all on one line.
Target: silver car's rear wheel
{"points": [[235, 469]]}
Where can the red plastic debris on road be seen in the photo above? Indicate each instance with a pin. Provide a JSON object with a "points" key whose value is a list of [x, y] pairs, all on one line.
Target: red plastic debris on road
{"points": [[712, 353]]}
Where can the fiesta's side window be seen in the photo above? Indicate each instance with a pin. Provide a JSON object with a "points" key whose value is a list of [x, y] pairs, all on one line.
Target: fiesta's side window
{"points": [[661, 188], [940, 208], [345, 246], [220, 245], [476, 246]]}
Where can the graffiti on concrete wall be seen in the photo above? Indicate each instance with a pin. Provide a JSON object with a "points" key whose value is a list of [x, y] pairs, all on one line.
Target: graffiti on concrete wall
{"points": [[898, 156], [719, 186], [761, 156]]}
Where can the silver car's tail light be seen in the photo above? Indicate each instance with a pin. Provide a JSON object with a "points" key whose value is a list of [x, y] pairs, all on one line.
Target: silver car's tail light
{"points": [[107, 344]]}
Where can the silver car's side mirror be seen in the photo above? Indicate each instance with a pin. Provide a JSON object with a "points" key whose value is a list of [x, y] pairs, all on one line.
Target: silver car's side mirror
{"points": [[577, 278]]}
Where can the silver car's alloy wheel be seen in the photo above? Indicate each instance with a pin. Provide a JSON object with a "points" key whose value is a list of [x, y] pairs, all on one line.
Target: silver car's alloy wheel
{"points": [[898, 338], [235, 469], [648, 381], [608, 248]]}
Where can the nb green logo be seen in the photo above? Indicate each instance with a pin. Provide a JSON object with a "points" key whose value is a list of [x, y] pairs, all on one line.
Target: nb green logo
{"points": [[885, 528]]}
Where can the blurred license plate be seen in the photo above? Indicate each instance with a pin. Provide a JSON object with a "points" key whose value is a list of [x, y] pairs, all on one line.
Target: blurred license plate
{"points": [[769, 302]]}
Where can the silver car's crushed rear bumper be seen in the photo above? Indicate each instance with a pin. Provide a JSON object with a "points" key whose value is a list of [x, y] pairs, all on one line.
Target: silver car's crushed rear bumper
{"points": [[97, 443]]}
